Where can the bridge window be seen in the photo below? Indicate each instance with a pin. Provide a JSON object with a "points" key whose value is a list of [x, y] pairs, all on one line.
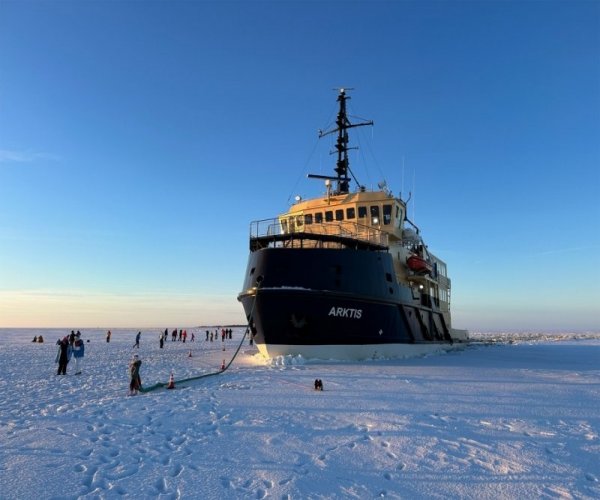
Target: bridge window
{"points": [[350, 213], [284, 226], [441, 268], [299, 222], [387, 214], [308, 218], [328, 216], [339, 215], [319, 218], [375, 215], [362, 212]]}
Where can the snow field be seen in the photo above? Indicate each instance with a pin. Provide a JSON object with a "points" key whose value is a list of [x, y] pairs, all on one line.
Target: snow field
{"points": [[518, 418]]}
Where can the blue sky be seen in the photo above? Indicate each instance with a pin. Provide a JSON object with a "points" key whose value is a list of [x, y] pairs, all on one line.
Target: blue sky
{"points": [[139, 139]]}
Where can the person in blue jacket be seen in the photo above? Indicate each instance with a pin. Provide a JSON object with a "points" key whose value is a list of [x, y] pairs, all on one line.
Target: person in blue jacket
{"points": [[78, 352]]}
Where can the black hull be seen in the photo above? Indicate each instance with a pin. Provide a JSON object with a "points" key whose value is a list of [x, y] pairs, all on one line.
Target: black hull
{"points": [[336, 303]]}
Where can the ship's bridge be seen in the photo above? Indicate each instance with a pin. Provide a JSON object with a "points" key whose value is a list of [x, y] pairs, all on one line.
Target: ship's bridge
{"points": [[362, 214]]}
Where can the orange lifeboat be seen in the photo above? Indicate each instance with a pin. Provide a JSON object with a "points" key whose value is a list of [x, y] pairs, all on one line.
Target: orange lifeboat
{"points": [[418, 265]]}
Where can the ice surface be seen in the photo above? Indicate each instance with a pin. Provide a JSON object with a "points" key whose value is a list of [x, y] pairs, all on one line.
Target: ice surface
{"points": [[513, 416]]}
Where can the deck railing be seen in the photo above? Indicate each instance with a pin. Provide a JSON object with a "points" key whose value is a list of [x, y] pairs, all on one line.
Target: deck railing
{"points": [[274, 231]]}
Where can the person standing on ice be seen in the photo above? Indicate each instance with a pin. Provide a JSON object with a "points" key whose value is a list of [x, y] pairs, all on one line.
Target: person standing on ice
{"points": [[161, 340], [78, 352], [63, 355], [108, 334], [137, 340], [135, 381]]}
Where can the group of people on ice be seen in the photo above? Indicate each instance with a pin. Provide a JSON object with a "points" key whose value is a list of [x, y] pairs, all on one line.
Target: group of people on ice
{"points": [[71, 346], [226, 333], [181, 337]]}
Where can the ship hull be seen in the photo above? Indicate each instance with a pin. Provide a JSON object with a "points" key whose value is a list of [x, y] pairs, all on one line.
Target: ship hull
{"points": [[336, 304]]}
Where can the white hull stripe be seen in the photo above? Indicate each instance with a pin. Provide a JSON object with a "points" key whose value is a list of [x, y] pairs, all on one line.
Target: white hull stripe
{"points": [[353, 352]]}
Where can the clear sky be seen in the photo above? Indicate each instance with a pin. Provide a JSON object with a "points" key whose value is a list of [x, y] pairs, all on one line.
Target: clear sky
{"points": [[139, 139]]}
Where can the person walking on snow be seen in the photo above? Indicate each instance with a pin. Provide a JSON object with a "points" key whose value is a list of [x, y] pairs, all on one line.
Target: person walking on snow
{"points": [[137, 340], [78, 352]]}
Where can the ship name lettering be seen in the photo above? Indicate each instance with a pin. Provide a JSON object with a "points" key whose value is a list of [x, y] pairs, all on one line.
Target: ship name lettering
{"points": [[345, 312]]}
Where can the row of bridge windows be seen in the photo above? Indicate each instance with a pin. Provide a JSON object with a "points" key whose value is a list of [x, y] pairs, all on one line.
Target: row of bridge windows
{"points": [[371, 213]]}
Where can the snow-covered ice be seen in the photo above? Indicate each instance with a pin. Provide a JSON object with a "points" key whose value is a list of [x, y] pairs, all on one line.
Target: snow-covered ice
{"points": [[516, 416]]}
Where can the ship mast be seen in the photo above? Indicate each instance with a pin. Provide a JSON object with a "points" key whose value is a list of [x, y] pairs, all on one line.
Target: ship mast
{"points": [[342, 165]]}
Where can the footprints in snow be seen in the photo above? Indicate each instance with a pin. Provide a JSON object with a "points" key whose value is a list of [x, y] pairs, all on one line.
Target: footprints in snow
{"points": [[250, 488], [113, 451]]}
